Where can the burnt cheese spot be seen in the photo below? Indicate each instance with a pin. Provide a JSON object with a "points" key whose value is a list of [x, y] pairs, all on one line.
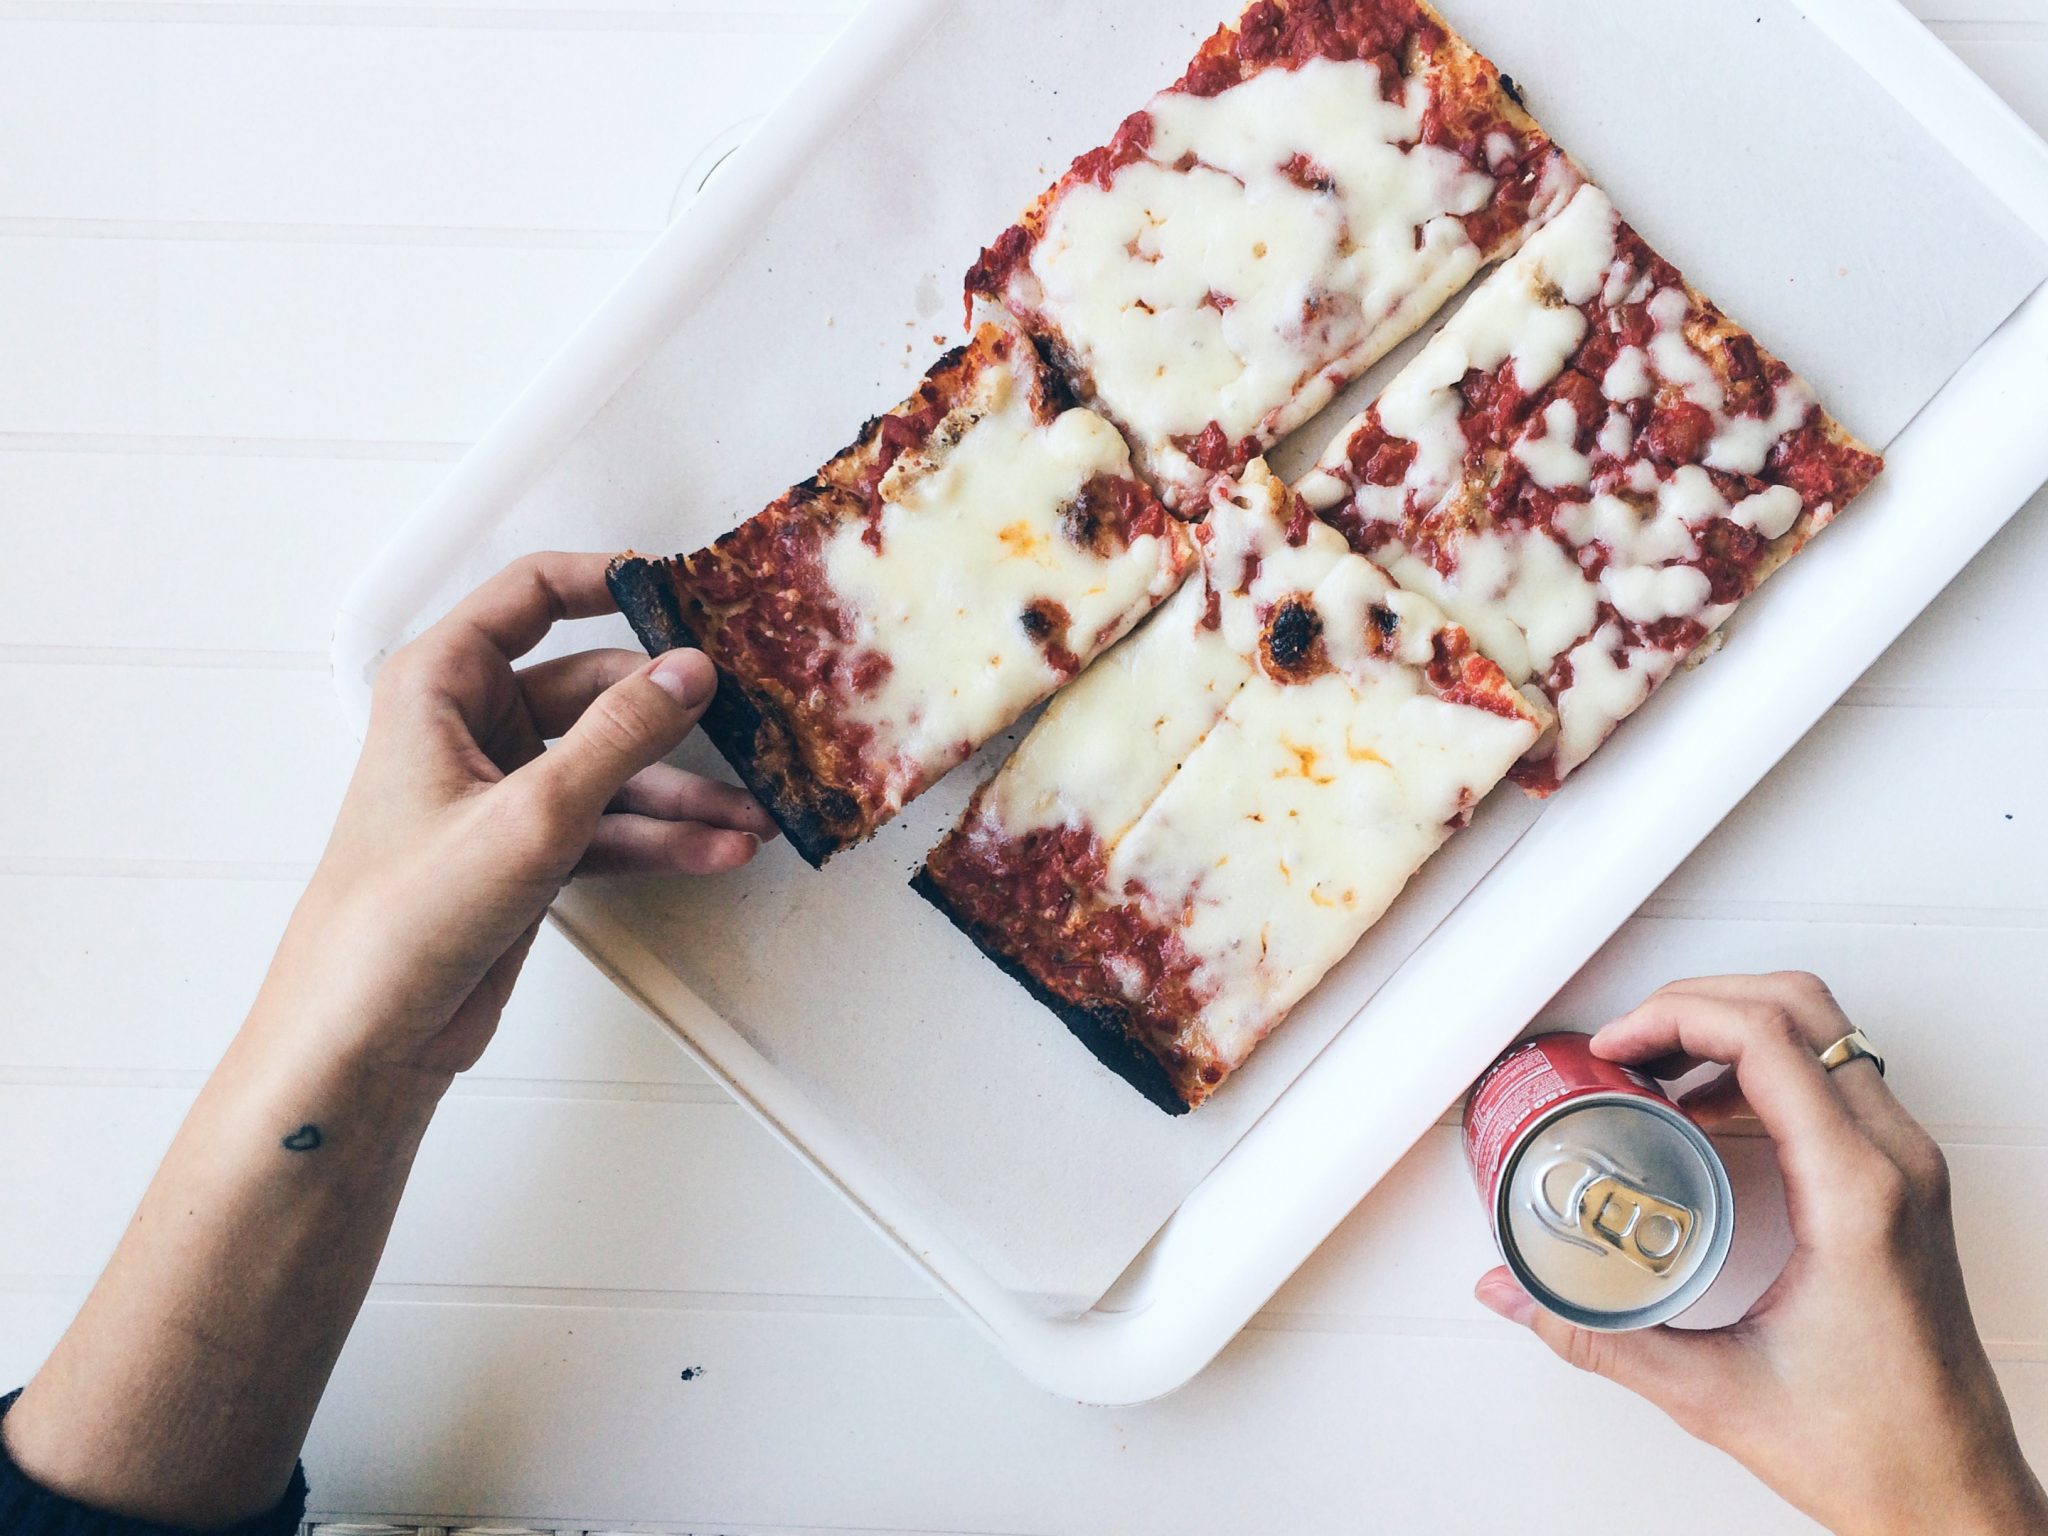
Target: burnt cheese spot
{"points": [[1045, 624], [1039, 620], [1294, 629], [1293, 641]]}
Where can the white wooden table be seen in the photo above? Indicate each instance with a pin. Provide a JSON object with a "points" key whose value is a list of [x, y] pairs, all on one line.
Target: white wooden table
{"points": [[266, 268]]}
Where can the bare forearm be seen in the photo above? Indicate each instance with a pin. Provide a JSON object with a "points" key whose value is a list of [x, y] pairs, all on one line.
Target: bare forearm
{"points": [[184, 1389]]}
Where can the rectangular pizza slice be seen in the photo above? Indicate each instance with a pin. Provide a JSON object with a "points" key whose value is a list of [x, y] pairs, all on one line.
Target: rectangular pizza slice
{"points": [[1217, 811], [879, 622], [1588, 467], [1325, 175]]}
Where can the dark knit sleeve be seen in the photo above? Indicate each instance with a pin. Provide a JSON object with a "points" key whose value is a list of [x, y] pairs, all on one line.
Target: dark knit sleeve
{"points": [[27, 1509]]}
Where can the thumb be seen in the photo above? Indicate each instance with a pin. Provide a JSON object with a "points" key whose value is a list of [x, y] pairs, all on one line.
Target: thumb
{"points": [[630, 726], [1685, 1372]]}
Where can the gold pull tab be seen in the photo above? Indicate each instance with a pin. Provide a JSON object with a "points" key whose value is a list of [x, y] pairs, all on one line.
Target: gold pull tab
{"points": [[1643, 1229], [1605, 1210]]}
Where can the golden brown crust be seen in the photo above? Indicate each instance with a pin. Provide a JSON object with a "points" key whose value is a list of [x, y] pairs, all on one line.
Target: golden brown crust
{"points": [[1842, 466]]}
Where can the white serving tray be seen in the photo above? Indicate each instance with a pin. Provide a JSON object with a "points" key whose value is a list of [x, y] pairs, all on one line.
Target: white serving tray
{"points": [[1970, 458]]}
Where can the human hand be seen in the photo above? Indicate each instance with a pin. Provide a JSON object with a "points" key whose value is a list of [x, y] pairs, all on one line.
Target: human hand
{"points": [[182, 1392], [459, 827], [1856, 1387]]}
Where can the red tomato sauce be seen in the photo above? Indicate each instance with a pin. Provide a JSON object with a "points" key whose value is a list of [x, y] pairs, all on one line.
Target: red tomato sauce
{"points": [[1041, 899], [1664, 428]]}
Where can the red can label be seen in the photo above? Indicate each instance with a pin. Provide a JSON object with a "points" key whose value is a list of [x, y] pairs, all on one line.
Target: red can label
{"points": [[1524, 1083]]}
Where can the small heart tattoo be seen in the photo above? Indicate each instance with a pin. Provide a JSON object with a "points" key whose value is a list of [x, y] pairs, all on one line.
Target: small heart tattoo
{"points": [[304, 1139]]}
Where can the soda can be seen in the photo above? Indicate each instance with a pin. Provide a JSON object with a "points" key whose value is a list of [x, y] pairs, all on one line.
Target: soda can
{"points": [[1607, 1200]]}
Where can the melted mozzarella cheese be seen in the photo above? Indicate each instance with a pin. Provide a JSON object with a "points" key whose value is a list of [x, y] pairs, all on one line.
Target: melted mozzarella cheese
{"points": [[1110, 739], [1267, 823], [1741, 444], [1526, 312], [1344, 602], [1628, 376], [1771, 511], [1645, 594], [1516, 592], [1629, 536], [1115, 735], [970, 537], [1245, 532], [1617, 435], [1523, 596], [1551, 457], [1227, 291], [1609, 683], [1689, 497], [1302, 814]]}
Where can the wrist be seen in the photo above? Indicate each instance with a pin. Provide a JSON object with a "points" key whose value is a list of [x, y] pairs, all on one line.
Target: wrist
{"points": [[1991, 1491], [2006, 1499], [337, 1009], [296, 1068]]}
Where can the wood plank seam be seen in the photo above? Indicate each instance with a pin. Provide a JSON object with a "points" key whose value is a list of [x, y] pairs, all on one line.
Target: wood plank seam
{"points": [[247, 232], [931, 1309], [1998, 29], [508, 18], [237, 446], [1864, 914], [193, 658]]}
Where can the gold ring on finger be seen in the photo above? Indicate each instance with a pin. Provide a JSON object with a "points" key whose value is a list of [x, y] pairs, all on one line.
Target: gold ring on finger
{"points": [[1854, 1046]]}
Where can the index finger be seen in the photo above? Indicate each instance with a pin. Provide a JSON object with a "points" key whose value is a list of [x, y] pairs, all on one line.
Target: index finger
{"points": [[515, 609], [1815, 1134]]}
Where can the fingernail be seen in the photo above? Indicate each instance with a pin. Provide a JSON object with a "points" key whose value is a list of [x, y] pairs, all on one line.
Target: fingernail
{"points": [[1505, 1299], [684, 676]]}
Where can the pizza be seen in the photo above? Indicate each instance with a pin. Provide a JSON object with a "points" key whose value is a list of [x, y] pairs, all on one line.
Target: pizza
{"points": [[1215, 813], [1325, 175], [876, 624], [1268, 706], [1588, 467]]}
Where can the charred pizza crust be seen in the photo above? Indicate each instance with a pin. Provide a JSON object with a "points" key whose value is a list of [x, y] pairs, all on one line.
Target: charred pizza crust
{"points": [[750, 727], [1106, 1026]]}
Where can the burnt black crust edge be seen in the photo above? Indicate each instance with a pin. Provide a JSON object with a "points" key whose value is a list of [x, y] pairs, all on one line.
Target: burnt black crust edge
{"points": [[737, 723], [748, 731], [647, 598], [1100, 1029]]}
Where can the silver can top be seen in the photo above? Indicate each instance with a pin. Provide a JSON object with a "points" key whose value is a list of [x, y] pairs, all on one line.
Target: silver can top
{"points": [[1616, 1212]]}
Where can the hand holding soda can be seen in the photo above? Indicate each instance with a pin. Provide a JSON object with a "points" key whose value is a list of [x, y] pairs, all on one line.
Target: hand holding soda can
{"points": [[1872, 1295], [1607, 1201]]}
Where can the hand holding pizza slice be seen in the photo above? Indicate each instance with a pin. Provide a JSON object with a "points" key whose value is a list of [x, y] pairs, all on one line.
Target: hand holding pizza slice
{"points": [[878, 623]]}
